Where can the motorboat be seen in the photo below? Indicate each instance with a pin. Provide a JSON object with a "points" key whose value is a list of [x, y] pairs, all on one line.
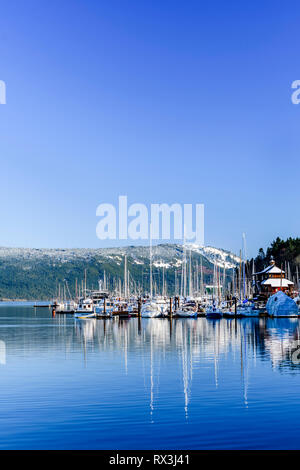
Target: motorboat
{"points": [[85, 308]]}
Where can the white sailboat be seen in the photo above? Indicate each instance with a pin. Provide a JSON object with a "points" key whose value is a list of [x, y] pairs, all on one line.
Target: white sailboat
{"points": [[213, 310], [153, 307], [186, 311]]}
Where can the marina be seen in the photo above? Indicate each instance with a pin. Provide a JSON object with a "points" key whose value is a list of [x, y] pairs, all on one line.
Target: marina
{"points": [[266, 293]]}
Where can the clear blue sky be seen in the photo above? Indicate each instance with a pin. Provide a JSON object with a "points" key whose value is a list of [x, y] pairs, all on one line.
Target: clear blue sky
{"points": [[163, 101]]}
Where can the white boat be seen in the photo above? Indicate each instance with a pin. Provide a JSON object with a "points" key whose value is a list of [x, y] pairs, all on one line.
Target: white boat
{"points": [[186, 311], [154, 307], [84, 316], [85, 308], [162, 302], [151, 309]]}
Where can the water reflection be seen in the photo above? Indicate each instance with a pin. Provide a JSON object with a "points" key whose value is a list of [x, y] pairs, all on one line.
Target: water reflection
{"points": [[195, 341]]}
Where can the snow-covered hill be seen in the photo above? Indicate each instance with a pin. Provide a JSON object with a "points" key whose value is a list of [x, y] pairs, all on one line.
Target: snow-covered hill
{"points": [[36, 273], [167, 255]]}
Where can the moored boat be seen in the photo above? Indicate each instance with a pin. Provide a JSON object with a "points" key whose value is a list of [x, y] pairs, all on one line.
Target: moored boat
{"points": [[213, 312], [151, 309], [85, 308], [186, 311], [85, 316]]}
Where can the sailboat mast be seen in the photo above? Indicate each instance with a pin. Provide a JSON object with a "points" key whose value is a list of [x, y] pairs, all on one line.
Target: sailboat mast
{"points": [[125, 276], [201, 279], [184, 266], [244, 265], [190, 274], [150, 255]]}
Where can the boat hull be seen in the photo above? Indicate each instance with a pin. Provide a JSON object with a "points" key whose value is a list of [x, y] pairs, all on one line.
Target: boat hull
{"points": [[84, 316], [183, 314]]}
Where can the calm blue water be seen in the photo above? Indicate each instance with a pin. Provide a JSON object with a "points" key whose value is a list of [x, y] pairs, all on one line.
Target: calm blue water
{"points": [[150, 384]]}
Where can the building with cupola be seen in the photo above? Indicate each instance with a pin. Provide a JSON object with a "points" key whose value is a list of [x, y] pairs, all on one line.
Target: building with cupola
{"points": [[271, 280]]}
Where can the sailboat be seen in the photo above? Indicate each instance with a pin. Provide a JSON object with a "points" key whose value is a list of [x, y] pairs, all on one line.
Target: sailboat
{"points": [[213, 311], [151, 308], [186, 311], [85, 308]]}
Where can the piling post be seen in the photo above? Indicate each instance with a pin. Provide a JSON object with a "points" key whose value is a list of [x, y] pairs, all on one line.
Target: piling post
{"points": [[171, 307], [139, 306], [235, 306], [104, 306]]}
